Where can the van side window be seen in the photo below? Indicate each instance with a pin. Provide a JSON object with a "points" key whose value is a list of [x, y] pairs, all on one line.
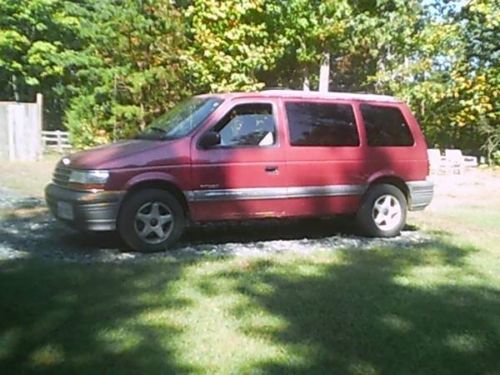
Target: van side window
{"points": [[385, 126], [321, 124], [248, 125]]}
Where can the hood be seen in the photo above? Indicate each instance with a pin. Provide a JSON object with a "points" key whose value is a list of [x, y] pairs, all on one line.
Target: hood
{"points": [[122, 154]]}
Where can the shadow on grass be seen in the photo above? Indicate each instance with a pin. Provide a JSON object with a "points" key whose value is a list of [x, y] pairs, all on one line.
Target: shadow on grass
{"points": [[419, 311], [69, 318]]}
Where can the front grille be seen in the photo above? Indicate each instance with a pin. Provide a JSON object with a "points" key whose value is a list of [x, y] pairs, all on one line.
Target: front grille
{"points": [[61, 176]]}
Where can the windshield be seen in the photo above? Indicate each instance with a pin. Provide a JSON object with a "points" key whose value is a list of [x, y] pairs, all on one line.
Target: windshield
{"points": [[181, 120]]}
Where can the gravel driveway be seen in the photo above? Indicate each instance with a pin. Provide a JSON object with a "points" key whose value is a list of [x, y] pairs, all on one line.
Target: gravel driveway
{"points": [[33, 232]]}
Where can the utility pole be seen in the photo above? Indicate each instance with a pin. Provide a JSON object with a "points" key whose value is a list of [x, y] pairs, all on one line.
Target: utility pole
{"points": [[324, 73], [306, 85], [15, 88]]}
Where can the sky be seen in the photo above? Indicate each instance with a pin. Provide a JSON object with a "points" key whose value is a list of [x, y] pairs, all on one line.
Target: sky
{"points": [[456, 5]]}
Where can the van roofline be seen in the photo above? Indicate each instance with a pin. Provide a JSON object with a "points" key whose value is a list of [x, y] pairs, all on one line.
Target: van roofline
{"points": [[298, 94]]}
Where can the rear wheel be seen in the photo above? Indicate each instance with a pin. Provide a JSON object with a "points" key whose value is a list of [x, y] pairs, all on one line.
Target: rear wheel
{"points": [[382, 212], [151, 220]]}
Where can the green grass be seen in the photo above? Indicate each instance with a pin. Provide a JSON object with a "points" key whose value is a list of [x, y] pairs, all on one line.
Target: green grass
{"points": [[425, 310], [430, 309]]}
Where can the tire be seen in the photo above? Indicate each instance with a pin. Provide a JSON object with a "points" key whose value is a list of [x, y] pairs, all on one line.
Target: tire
{"points": [[382, 212], [151, 220]]}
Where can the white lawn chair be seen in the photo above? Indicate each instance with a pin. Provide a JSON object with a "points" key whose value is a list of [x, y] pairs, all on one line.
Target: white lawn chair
{"points": [[436, 161], [470, 161], [454, 161]]}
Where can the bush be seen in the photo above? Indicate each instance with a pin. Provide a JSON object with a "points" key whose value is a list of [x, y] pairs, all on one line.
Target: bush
{"points": [[495, 158]]}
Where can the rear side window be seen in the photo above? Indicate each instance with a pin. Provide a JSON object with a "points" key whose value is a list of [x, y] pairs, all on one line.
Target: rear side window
{"points": [[321, 124], [385, 126]]}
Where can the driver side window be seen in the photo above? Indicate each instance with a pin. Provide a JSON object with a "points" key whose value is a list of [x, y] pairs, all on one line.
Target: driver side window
{"points": [[248, 125]]}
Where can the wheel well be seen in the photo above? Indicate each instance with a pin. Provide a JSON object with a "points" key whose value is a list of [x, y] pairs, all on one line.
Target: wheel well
{"points": [[395, 181], [161, 185]]}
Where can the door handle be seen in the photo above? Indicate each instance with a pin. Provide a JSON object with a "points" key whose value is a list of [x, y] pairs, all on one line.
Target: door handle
{"points": [[271, 169]]}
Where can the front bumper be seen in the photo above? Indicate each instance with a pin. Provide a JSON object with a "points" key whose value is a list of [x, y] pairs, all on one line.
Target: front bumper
{"points": [[421, 193], [95, 211]]}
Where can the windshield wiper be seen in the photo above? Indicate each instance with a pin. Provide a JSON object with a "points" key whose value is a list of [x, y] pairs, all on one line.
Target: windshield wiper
{"points": [[157, 129], [153, 132]]}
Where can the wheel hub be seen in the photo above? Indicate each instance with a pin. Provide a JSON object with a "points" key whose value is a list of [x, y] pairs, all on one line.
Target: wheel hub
{"points": [[387, 212], [154, 222]]}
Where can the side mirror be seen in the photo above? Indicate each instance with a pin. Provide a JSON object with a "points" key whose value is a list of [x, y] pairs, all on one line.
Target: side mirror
{"points": [[210, 139]]}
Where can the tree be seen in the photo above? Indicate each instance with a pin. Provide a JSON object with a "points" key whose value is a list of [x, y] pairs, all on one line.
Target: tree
{"points": [[35, 35], [446, 67], [108, 67], [229, 44], [129, 70], [477, 74], [305, 30]]}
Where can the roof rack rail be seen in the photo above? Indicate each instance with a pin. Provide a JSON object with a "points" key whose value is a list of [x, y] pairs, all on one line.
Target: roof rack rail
{"points": [[274, 88], [331, 95]]}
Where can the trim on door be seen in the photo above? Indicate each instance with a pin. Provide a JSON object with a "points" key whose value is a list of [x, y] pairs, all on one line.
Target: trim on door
{"points": [[274, 193]]}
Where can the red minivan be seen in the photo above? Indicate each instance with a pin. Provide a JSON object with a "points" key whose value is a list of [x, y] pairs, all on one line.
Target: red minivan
{"points": [[237, 156]]}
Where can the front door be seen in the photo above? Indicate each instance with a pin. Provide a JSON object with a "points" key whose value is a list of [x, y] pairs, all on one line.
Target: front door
{"points": [[244, 176]]}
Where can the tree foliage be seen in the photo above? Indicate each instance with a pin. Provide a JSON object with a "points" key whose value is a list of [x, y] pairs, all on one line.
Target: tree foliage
{"points": [[35, 36], [229, 44], [107, 67], [129, 69]]}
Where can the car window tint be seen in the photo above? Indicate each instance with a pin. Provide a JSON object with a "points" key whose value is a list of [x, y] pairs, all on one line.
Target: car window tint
{"points": [[248, 125], [321, 124], [385, 126]]}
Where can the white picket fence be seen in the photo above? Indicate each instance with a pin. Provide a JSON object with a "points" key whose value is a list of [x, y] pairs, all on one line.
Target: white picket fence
{"points": [[55, 140]]}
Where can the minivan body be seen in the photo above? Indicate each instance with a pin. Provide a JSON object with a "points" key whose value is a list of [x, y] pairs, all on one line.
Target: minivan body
{"points": [[240, 156]]}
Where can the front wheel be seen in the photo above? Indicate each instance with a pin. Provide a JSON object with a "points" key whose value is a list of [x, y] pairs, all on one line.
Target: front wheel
{"points": [[382, 212], [151, 220]]}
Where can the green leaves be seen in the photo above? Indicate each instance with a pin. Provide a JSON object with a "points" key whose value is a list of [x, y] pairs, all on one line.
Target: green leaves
{"points": [[129, 69], [229, 44], [35, 38], [12, 46], [108, 67]]}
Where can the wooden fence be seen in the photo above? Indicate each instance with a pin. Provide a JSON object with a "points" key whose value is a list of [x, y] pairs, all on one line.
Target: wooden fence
{"points": [[55, 140], [20, 130]]}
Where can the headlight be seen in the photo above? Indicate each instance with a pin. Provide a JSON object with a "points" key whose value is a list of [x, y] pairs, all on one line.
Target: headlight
{"points": [[98, 177]]}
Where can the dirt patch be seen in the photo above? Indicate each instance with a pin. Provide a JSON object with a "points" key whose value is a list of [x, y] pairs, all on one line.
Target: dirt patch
{"points": [[464, 202], [475, 187]]}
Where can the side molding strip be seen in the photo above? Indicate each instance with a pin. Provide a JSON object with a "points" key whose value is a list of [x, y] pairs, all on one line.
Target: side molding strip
{"points": [[274, 193]]}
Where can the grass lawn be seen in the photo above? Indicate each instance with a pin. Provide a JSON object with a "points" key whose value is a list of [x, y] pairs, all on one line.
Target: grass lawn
{"points": [[431, 309]]}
